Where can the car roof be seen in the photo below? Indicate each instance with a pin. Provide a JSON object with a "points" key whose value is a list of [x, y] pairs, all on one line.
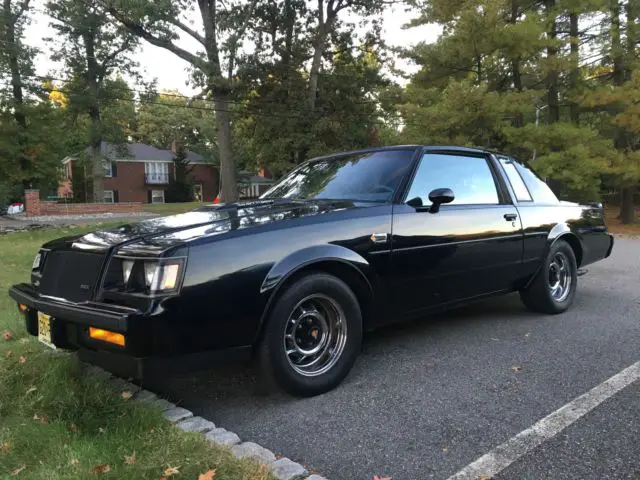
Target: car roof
{"points": [[443, 148]]}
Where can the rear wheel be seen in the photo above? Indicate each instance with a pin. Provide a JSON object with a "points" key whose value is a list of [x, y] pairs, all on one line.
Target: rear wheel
{"points": [[554, 287], [312, 336]]}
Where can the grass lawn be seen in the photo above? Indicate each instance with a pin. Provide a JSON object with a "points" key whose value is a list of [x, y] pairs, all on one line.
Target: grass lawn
{"points": [[58, 424], [171, 208]]}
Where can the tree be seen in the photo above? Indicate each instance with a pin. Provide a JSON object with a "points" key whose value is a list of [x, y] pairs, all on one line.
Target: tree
{"points": [[15, 57], [220, 35], [164, 118], [181, 188], [92, 48]]}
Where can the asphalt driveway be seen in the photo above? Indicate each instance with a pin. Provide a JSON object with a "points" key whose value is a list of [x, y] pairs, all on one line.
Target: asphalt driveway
{"points": [[427, 398]]}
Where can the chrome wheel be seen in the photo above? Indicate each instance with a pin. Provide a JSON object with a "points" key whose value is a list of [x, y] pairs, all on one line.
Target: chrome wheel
{"points": [[559, 277], [315, 335]]}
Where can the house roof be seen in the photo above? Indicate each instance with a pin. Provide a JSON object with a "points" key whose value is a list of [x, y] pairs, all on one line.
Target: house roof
{"points": [[140, 152]]}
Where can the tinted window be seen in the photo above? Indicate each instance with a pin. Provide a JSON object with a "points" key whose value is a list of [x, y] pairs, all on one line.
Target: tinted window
{"points": [[519, 188], [470, 179], [372, 176], [539, 189]]}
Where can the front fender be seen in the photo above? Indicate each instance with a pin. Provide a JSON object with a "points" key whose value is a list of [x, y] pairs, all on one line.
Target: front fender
{"points": [[300, 259], [307, 256]]}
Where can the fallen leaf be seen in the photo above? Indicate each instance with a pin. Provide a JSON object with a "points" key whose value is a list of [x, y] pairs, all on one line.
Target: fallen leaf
{"points": [[484, 477], [74, 461], [130, 459], [22, 360], [4, 446], [101, 430], [7, 335], [445, 449], [31, 389], [100, 469], [170, 471], [527, 334], [18, 470], [208, 475], [516, 368], [43, 419], [126, 395], [376, 477], [73, 427], [8, 353]]}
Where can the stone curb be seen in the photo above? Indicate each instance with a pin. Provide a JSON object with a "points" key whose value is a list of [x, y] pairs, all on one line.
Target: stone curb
{"points": [[281, 468]]}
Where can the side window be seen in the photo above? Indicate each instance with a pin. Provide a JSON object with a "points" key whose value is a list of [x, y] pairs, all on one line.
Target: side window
{"points": [[519, 188], [469, 177]]}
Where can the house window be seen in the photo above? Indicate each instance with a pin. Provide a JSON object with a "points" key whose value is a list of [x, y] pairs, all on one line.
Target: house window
{"points": [[156, 172], [108, 168], [197, 192], [157, 196], [109, 197]]}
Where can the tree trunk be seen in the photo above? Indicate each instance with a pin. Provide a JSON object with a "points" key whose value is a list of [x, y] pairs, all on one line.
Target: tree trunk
{"points": [[633, 12], [18, 98], [318, 51], [617, 52], [515, 66], [93, 80], [228, 185], [575, 65], [552, 74], [627, 207]]}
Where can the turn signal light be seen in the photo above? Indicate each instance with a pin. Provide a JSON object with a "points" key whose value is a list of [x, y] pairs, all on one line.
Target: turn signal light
{"points": [[22, 307], [106, 336]]}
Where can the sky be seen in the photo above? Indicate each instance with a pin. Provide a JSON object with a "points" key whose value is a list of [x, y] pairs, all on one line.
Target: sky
{"points": [[171, 71]]}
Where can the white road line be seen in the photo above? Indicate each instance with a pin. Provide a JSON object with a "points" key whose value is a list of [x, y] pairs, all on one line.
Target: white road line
{"points": [[505, 454]]}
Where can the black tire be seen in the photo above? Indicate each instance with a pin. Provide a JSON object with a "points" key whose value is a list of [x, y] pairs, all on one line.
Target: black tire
{"points": [[280, 367], [538, 296]]}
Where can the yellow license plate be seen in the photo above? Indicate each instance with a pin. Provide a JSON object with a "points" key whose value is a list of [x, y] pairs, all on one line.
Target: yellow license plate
{"points": [[44, 329]]}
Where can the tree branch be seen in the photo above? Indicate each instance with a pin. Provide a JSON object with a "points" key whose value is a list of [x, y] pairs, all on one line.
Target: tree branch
{"points": [[114, 54], [22, 8], [186, 29], [239, 34], [167, 44]]}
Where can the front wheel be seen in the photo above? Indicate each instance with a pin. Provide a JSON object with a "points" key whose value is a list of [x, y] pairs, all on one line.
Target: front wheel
{"points": [[312, 336], [554, 287]]}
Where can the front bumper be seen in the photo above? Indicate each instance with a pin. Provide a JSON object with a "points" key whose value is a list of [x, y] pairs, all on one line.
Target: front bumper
{"points": [[147, 352], [611, 241]]}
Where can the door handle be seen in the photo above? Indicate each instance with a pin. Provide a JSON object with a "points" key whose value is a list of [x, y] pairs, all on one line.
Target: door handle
{"points": [[510, 217]]}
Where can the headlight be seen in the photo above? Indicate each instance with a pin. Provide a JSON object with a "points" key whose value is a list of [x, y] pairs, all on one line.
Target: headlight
{"points": [[127, 267], [36, 261], [151, 276]]}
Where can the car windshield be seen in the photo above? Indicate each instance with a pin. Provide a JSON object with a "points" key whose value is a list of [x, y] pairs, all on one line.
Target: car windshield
{"points": [[367, 177]]}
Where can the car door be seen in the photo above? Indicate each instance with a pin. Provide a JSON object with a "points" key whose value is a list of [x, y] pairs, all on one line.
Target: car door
{"points": [[470, 247]]}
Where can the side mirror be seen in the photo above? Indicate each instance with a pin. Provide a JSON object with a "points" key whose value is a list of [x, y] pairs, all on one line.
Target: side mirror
{"points": [[415, 202], [440, 196]]}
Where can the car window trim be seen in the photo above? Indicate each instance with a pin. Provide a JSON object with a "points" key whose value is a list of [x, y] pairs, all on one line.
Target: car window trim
{"points": [[503, 196], [513, 190]]}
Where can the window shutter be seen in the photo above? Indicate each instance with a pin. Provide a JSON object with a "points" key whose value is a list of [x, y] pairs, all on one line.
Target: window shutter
{"points": [[148, 196], [115, 196], [114, 169]]}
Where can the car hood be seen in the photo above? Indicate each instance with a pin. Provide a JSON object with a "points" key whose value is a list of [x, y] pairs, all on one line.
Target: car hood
{"points": [[156, 235]]}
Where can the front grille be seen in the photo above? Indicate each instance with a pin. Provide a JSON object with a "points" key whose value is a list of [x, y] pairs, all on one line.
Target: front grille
{"points": [[70, 275]]}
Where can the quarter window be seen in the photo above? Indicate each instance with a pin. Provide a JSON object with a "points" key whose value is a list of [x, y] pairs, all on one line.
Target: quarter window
{"points": [[469, 177], [519, 188]]}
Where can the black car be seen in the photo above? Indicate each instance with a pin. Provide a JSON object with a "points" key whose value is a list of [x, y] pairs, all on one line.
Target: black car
{"points": [[342, 244]]}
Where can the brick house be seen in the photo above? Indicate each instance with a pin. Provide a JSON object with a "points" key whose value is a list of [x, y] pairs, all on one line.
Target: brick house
{"points": [[136, 172]]}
